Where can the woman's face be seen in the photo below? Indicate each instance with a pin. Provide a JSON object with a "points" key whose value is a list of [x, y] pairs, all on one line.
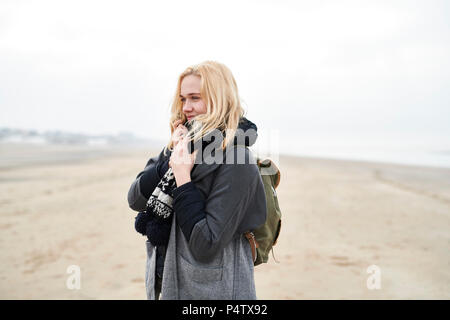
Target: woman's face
{"points": [[193, 103]]}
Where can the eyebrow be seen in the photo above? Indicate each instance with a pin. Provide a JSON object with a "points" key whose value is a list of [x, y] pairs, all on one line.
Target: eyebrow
{"points": [[190, 94]]}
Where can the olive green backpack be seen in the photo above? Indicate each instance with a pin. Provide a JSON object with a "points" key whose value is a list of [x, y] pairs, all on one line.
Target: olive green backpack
{"points": [[265, 237]]}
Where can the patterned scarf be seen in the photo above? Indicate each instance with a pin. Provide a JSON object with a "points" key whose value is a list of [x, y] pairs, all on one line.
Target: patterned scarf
{"points": [[159, 210]]}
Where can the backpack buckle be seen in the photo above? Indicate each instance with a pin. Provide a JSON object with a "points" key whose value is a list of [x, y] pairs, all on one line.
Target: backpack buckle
{"points": [[253, 244]]}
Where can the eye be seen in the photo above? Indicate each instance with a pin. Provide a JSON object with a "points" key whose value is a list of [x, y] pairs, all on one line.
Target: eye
{"points": [[182, 99], [195, 98]]}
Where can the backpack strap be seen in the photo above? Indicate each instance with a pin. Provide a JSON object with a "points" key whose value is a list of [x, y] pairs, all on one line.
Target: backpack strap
{"points": [[268, 163], [253, 244]]}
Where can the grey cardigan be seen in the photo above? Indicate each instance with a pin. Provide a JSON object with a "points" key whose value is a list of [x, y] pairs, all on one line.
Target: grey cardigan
{"points": [[216, 262]]}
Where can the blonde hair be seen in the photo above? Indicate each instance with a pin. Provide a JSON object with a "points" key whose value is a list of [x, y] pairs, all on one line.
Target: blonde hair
{"points": [[219, 91]]}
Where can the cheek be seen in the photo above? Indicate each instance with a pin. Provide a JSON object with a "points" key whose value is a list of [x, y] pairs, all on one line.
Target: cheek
{"points": [[200, 107]]}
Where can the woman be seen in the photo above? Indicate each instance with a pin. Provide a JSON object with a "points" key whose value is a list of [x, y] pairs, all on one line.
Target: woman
{"points": [[195, 211]]}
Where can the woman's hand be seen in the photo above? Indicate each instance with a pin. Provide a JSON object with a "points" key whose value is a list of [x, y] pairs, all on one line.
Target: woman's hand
{"points": [[179, 132], [182, 162]]}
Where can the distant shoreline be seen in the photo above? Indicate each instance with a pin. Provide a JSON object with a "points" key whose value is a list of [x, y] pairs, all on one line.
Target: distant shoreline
{"points": [[367, 161], [16, 155]]}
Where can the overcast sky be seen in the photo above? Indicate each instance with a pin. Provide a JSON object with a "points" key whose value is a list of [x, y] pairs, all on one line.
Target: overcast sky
{"points": [[313, 71]]}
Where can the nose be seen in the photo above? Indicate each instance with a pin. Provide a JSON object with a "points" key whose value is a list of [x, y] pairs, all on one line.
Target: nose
{"points": [[187, 107]]}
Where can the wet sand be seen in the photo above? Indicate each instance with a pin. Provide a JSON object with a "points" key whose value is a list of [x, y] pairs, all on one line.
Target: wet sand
{"points": [[339, 217]]}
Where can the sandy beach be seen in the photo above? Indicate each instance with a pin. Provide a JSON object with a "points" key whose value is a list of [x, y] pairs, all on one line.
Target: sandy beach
{"points": [[68, 206]]}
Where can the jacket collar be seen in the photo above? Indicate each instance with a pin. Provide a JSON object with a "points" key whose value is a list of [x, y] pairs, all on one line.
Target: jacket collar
{"points": [[242, 137]]}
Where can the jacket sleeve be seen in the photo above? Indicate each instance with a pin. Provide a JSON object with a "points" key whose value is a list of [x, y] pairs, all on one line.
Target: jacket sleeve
{"points": [[146, 181], [235, 204]]}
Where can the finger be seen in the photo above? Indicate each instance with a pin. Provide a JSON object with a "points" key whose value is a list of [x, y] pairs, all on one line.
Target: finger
{"points": [[185, 142], [180, 129], [177, 123], [194, 155]]}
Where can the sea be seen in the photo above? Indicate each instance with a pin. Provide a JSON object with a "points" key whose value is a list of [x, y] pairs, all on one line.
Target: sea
{"points": [[431, 153]]}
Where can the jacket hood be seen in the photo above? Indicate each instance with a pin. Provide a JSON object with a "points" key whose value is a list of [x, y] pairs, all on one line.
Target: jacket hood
{"points": [[247, 134]]}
